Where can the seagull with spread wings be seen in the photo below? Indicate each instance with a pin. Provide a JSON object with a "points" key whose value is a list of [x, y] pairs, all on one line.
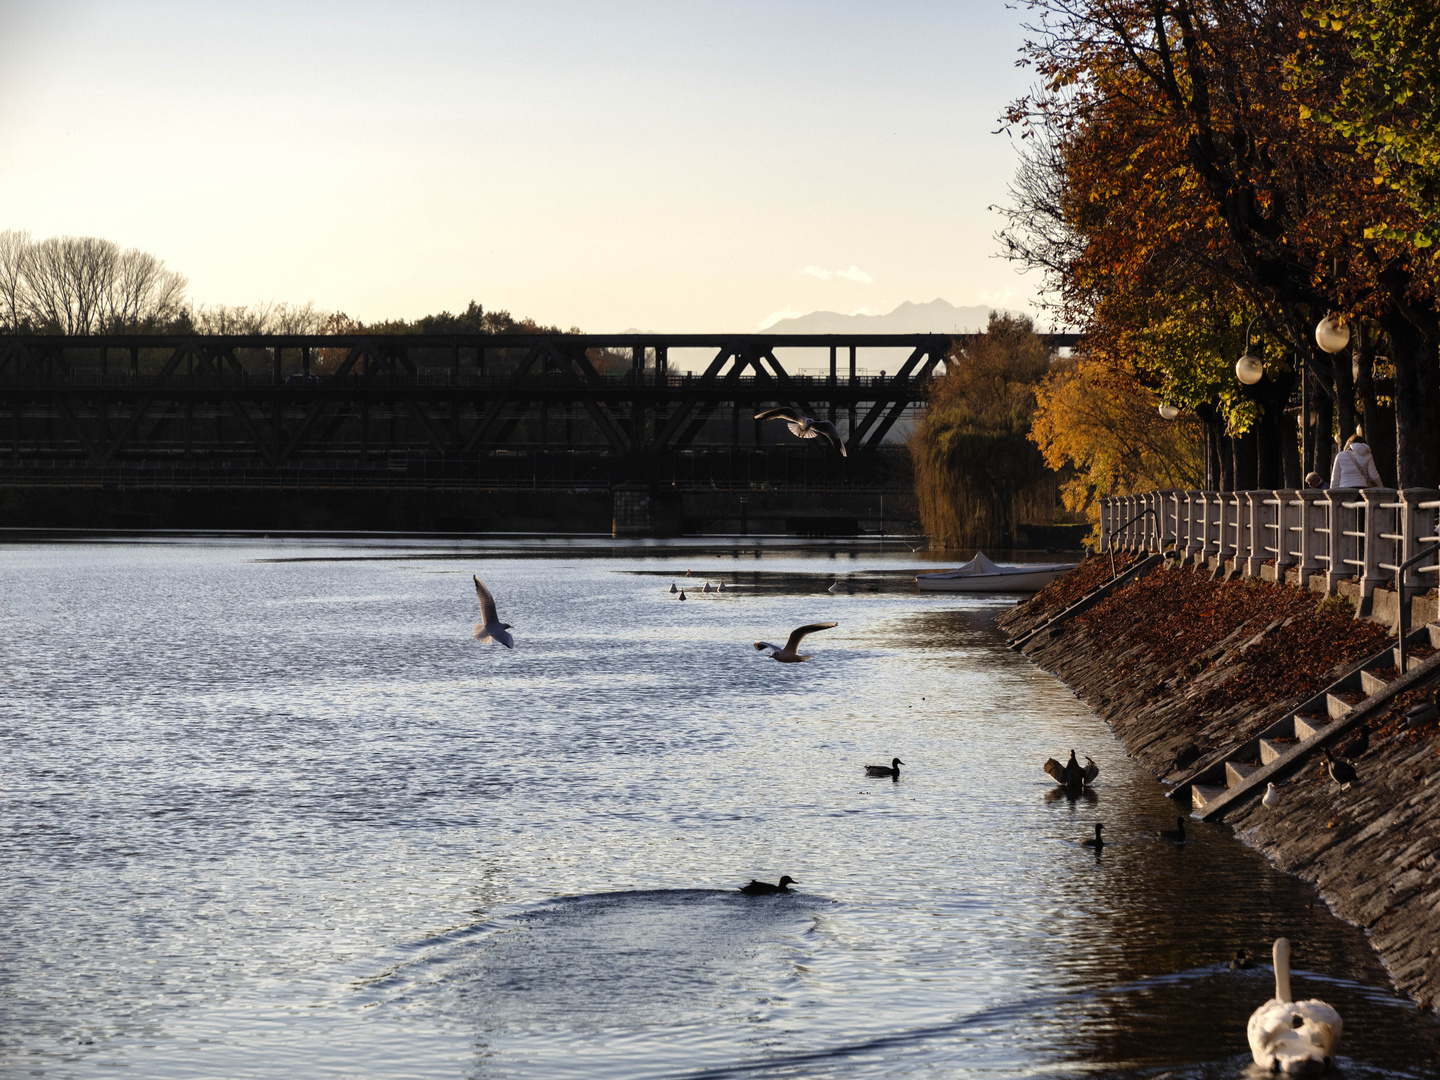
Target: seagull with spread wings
{"points": [[492, 629], [806, 427], [790, 653]]}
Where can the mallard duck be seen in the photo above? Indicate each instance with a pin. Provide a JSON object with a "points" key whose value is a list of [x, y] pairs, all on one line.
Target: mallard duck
{"points": [[893, 769], [1069, 775], [1297, 1038], [764, 888], [1241, 961], [1097, 841], [1177, 834]]}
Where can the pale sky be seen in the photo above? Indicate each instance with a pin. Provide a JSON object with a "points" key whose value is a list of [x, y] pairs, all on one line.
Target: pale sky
{"points": [[665, 166]]}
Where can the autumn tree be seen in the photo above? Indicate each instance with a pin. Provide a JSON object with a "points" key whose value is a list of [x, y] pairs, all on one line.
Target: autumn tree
{"points": [[977, 474], [1178, 156]]}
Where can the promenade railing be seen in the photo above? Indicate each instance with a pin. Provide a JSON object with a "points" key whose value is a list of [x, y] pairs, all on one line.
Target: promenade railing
{"points": [[1360, 536]]}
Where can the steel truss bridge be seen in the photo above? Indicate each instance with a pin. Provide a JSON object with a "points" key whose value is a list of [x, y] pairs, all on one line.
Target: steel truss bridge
{"points": [[486, 411]]}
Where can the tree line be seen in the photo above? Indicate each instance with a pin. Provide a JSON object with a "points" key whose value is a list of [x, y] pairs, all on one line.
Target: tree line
{"points": [[1206, 178], [85, 285]]}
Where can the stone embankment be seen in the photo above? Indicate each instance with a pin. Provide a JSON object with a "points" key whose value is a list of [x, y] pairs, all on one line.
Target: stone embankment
{"points": [[1177, 660]]}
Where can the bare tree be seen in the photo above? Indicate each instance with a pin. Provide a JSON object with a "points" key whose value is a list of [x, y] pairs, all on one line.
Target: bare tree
{"points": [[14, 246], [143, 295], [85, 285]]}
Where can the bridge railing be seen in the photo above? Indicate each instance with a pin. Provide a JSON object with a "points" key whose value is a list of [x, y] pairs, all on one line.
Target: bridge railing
{"points": [[1362, 536]]}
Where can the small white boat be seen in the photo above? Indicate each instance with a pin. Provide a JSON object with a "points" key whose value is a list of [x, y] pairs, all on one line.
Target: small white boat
{"points": [[982, 575]]}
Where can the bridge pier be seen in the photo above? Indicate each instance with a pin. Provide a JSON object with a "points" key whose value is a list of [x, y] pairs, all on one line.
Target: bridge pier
{"points": [[634, 510]]}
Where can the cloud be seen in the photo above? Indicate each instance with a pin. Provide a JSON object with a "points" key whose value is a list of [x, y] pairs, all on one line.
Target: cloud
{"points": [[775, 316], [854, 274]]}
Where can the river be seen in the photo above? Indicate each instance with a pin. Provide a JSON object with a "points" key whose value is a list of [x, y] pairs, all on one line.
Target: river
{"points": [[270, 811]]}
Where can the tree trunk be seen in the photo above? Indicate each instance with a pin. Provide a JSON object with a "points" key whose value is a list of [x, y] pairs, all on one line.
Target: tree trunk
{"points": [[1379, 436], [1321, 440], [1417, 435], [1246, 449], [1272, 429], [1294, 474], [1344, 398], [1227, 463]]}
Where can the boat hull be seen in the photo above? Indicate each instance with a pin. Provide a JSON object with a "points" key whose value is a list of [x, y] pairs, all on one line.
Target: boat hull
{"points": [[1026, 581]]}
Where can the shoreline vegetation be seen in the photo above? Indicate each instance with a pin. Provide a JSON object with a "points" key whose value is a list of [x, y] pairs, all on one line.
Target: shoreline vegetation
{"points": [[1176, 658]]}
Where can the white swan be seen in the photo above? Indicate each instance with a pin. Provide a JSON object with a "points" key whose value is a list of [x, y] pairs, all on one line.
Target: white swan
{"points": [[1297, 1038]]}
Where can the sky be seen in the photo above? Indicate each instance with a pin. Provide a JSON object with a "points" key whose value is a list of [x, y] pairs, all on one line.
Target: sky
{"points": [[670, 167]]}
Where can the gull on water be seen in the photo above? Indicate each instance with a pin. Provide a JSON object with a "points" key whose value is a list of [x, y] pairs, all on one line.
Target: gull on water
{"points": [[492, 629], [806, 427], [789, 653]]}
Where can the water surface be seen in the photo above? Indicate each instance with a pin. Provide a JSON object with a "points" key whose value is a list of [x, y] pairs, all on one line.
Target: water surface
{"points": [[268, 810]]}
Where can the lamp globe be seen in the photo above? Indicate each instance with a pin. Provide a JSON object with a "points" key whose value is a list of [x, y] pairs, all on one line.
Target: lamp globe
{"points": [[1332, 333]]}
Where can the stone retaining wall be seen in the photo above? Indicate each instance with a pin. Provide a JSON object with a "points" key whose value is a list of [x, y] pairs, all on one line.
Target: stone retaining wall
{"points": [[1373, 851]]}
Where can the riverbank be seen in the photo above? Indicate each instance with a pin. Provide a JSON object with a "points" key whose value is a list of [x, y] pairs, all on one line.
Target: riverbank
{"points": [[1176, 659]]}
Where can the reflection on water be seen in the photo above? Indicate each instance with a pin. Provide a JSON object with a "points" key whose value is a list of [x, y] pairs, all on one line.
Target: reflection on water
{"points": [[270, 811]]}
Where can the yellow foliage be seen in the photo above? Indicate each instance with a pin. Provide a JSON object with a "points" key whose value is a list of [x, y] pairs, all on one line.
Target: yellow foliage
{"points": [[1106, 426]]}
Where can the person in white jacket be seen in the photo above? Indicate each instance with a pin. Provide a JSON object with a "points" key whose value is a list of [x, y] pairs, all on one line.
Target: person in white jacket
{"points": [[1355, 466]]}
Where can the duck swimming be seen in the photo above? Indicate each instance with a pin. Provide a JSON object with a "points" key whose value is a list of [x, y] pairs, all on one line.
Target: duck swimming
{"points": [[764, 888], [893, 769], [1177, 834], [1097, 841], [1241, 961]]}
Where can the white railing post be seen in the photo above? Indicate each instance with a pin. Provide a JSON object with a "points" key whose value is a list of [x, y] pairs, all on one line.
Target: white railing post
{"points": [[1226, 521], [1194, 525], [1340, 541], [1379, 504], [1254, 550], [1170, 519], [1417, 527], [1312, 551], [1287, 522], [1105, 502]]}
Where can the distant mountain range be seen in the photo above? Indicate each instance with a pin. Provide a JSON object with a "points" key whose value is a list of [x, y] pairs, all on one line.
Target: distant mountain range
{"points": [[936, 317]]}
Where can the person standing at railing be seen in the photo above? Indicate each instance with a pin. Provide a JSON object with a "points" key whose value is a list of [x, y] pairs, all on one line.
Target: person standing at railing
{"points": [[1355, 465], [1315, 482]]}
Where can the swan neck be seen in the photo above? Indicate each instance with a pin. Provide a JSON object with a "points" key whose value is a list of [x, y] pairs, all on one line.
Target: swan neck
{"points": [[1282, 970]]}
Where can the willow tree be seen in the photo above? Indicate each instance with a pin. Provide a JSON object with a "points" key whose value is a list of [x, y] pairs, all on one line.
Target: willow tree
{"points": [[978, 475]]}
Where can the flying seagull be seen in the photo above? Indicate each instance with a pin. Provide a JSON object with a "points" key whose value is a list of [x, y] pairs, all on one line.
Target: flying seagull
{"points": [[790, 654], [805, 426], [492, 629]]}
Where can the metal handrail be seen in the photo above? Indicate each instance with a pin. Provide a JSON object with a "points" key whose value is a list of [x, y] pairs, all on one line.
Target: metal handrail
{"points": [[1402, 620], [1110, 537]]}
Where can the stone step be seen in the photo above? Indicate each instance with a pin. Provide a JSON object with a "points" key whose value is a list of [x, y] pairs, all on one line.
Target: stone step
{"points": [[1269, 751], [1201, 794], [1306, 726], [1434, 629], [1372, 684], [1337, 707], [1236, 772]]}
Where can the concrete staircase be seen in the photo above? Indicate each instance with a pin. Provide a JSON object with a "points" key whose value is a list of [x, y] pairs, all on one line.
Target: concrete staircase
{"points": [[1242, 772]]}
